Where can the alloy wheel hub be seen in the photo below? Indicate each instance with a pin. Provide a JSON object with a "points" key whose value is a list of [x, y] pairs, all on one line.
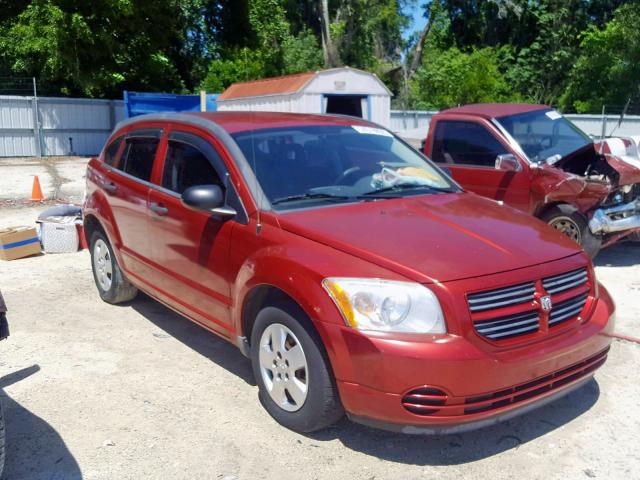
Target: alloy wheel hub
{"points": [[283, 367]]}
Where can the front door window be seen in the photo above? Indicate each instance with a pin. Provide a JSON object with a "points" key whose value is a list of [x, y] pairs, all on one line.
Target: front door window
{"points": [[465, 143]]}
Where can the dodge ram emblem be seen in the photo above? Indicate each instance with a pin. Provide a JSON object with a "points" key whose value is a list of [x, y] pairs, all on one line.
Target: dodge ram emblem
{"points": [[545, 303]]}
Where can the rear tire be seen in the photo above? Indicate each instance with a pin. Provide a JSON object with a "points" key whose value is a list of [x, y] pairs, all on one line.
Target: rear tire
{"points": [[319, 406], [573, 224], [112, 285]]}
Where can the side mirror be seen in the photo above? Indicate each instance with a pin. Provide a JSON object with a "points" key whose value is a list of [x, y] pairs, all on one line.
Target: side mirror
{"points": [[508, 163], [209, 198]]}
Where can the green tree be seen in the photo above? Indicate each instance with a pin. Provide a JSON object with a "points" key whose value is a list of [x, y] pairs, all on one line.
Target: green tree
{"points": [[453, 77], [541, 69], [607, 72], [238, 65], [301, 53], [100, 48]]}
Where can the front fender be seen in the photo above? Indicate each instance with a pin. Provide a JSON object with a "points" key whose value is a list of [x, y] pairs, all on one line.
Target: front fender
{"points": [[629, 173], [551, 185], [296, 266]]}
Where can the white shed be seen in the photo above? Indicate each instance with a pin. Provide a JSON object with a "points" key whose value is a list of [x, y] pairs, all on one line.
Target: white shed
{"points": [[344, 90]]}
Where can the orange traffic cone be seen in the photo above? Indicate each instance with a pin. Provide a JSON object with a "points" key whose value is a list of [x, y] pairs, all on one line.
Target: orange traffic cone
{"points": [[36, 191]]}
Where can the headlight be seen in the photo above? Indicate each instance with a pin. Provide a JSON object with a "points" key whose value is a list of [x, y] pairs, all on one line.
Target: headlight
{"points": [[385, 305]]}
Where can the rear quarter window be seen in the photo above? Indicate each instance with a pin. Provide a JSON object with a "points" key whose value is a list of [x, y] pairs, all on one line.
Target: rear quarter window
{"points": [[111, 152]]}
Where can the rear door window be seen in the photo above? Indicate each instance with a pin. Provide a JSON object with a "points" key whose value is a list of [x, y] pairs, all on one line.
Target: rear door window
{"points": [[138, 155], [465, 143]]}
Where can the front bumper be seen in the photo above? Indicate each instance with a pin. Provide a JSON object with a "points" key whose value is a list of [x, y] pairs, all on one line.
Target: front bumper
{"points": [[481, 386], [621, 218]]}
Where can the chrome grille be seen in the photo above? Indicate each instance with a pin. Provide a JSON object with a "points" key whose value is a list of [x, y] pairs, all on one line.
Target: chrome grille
{"points": [[568, 309], [566, 281], [501, 297], [509, 326]]}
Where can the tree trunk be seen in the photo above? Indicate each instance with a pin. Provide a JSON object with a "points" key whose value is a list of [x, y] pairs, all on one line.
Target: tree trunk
{"points": [[328, 48], [417, 54]]}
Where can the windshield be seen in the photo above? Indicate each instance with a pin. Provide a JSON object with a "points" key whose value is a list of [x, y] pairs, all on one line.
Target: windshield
{"points": [[544, 134], [308, 165]]}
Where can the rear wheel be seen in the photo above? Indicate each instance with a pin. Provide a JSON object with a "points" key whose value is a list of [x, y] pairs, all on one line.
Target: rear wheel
{"points": [[112, 285], [573, 224], [295, 382]]}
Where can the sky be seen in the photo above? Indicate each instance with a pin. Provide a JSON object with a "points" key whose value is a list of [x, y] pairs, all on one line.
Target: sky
{"points": [[417, 19]]}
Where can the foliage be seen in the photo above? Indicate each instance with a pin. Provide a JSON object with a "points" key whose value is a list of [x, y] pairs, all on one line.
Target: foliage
{"points": [[97, 48], [239, 65], [607, 72], [452, 77], [301, 53], [577, 54], [541, 67]]}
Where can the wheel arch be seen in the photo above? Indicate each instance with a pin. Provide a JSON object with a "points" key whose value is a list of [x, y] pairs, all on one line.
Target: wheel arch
{"points": [[91, 224], [547, 207], [261, 296], [265, 294]]}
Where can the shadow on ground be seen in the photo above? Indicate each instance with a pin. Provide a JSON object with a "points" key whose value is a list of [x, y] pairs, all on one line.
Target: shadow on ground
{"points": [[195, 337], [623, 254], [416, 450], [34, 450], [466, 447]]}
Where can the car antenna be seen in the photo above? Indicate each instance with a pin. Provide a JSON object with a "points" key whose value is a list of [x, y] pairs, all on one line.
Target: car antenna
{"points": [[255, 176], [253, 157], [624, 112]]}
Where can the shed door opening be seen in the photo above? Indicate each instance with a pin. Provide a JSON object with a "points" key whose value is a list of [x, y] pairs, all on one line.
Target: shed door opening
{"points": [[345, 104]]}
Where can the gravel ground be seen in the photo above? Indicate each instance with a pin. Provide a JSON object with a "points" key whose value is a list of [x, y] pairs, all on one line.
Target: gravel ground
{"points": [[100, 392], [61, 178]]}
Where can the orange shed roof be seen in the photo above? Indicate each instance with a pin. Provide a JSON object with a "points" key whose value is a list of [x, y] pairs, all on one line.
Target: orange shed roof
{"points": [[268, 86]]}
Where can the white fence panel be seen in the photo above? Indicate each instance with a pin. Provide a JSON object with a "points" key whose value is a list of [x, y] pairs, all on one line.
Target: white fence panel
{"points": [[67, 126], [402, 120], [16, 126], [592, 124]]}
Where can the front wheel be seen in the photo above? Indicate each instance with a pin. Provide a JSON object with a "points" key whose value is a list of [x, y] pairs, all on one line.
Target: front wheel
{"points": [[573, 224], [295, 382]]}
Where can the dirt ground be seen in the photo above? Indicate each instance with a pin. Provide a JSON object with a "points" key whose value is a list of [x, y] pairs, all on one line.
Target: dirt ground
{"points": [[97, 391]]}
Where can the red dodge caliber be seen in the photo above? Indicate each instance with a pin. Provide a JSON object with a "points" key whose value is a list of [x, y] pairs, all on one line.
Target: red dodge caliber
{"points": [[353, 272]]}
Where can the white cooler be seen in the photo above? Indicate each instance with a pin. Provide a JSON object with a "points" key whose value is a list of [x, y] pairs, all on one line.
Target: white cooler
{"points": [[59, 234]]}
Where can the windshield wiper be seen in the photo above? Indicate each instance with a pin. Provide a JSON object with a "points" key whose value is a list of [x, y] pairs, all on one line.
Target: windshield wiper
{"points": [[309, 196], [404, 187]]}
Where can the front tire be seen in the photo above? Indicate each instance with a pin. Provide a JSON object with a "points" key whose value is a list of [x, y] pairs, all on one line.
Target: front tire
{"points": [[573, 224], [296, 385], [112, 285]]}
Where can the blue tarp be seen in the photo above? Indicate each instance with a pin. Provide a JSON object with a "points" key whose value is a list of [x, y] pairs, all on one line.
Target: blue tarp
{"points": [[139, 103]]}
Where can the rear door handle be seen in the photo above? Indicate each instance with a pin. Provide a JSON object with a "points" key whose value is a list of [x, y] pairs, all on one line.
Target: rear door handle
{"points": [[110, 187], [158, 209]]}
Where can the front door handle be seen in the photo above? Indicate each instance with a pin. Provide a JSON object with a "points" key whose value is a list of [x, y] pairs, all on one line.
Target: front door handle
{"points": [[158, 209], [110, 187]]}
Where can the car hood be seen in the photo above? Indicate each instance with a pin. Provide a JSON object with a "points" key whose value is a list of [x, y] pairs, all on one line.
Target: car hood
{"points": [[433, 238], [618, 171]]}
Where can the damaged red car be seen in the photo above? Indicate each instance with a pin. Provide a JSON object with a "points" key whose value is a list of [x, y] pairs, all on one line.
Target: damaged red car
{"points": [[355, 274], [534, 159]]}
